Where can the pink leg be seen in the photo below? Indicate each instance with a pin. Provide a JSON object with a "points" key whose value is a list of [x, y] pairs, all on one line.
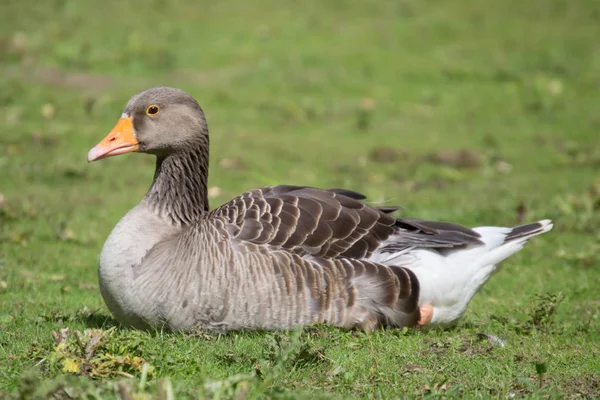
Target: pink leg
{"points": [[426, 314]]}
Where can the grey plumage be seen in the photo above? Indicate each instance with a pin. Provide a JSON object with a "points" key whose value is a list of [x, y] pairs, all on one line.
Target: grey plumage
{"points": [[273, 257]]}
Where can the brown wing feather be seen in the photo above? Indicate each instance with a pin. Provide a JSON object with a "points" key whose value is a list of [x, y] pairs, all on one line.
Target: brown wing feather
{"points": [[305, 220], [332, 223]]}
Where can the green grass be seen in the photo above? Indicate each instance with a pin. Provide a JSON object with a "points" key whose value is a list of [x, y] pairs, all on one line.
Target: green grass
{"points": [[361, 95]]}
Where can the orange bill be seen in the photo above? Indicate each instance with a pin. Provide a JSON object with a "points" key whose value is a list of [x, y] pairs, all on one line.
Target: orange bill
{"points": [[119, 141]]}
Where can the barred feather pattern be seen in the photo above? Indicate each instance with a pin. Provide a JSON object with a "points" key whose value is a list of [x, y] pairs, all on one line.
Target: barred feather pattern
{"points": [[229, 284], [277, 256], [280, 256]]}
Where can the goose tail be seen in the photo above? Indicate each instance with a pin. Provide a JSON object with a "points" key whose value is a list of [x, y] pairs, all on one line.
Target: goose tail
{"points": [[501, 243], [450, 279]]}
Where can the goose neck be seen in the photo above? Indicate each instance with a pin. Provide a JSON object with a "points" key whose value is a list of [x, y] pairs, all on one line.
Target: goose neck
{"points": [[179, 189]]}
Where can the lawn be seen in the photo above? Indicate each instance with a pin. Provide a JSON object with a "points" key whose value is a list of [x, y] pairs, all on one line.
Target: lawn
{"points": [[473, 111]]}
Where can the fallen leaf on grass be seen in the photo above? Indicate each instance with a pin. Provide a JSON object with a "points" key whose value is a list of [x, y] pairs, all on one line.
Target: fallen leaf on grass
{"points": [[86, 353], [411, 369], [492, 339], [48, 111], [60, 336], [71, 365], [503, 167], [214, 191], [92, 345]]}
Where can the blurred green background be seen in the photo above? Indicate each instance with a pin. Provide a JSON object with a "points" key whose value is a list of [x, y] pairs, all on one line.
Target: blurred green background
{"points": [[478, 112]]}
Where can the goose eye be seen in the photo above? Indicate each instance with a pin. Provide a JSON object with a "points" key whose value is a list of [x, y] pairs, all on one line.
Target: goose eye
{"points": [[152, 110]]}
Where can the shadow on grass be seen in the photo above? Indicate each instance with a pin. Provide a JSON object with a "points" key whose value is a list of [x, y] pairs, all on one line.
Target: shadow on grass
{"points": [[97, 320]]}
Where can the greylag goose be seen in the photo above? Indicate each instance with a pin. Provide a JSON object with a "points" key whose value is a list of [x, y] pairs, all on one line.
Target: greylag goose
{"points": [[278, 256]]}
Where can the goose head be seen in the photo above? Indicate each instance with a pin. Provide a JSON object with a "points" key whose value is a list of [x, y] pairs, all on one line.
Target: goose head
{"points": [[159, 121]]}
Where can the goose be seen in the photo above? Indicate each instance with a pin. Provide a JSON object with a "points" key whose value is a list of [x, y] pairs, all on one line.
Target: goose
{"points": [[275, 257]]}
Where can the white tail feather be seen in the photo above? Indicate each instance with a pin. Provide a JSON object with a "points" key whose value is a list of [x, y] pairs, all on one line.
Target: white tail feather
{"points": [[449, 279]]}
